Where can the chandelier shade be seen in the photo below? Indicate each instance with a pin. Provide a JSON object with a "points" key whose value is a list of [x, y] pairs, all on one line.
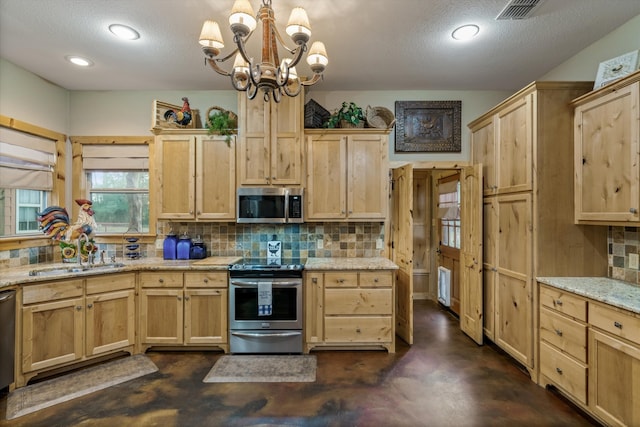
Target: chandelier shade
{"points": [[269, 75]]}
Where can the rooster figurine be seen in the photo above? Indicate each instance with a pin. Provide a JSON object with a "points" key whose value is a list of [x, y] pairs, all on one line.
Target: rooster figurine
{"points": [[54, 223], [182, 117]]}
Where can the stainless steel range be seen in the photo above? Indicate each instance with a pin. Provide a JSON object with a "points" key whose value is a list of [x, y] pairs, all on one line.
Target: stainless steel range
{"points": [[255, 326]]}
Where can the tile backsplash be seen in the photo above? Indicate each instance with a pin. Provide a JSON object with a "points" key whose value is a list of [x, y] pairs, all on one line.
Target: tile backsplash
{"points": [[623, 241], [246, 240]]}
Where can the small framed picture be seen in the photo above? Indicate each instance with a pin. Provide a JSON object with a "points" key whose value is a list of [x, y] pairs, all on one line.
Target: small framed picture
{"points": [[616, 68]]}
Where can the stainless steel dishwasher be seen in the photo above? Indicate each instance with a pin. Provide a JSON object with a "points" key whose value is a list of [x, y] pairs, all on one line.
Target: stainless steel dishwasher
{"points": [[7, 336]]}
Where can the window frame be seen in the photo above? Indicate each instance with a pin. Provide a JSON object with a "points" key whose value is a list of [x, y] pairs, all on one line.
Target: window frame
{"points": [[80, 188], [57, 195]]}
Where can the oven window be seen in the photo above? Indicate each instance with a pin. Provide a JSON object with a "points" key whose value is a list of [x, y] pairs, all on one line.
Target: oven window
{"points": [[284, 304], [262, 206]]}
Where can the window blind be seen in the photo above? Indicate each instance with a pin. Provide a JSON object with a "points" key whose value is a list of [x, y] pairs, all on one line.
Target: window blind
{"points": [[115, 157], [26, 161], [448, 203]]}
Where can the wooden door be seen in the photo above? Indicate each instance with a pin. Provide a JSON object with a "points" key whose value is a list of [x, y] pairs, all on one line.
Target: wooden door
{"points": [[449, 233], [402, 252], [514, 127], [286, 135], [161, 316], [215, 178], [110, 322], [471, 209], [175, 157], [368, 177], [52, 333], [205, 316], [326, 177]]}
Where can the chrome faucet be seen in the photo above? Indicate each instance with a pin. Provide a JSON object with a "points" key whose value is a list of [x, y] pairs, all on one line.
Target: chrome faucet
{"points": [[82, 237]]}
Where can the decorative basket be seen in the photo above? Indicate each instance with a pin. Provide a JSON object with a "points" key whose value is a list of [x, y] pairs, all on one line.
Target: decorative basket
{"points": [[216, 110], [380, 117], [315, 115]]}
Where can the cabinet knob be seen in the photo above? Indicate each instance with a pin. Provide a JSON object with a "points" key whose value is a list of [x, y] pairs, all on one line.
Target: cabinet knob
{"points": [[314, 280], [376, 280], [89, 305], [558, 370], [557, 302], [161, 280], [186, 298], [350, 212], [179, 299], [206, 280], [79, 308], [558, 332], [633, 210], [340, 280], [358, 330], [617, 325]]}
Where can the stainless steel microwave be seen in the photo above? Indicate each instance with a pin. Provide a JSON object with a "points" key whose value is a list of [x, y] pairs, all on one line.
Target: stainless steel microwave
{"points": [[269, 205]]}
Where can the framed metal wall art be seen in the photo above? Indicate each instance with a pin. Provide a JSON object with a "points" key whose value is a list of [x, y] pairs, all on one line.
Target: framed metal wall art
{"points": [[428, 126]]}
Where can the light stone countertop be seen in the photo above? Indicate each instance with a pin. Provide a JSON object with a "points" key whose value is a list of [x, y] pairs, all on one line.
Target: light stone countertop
{"points": [[20, 275], [614, 292], [377, 263]]}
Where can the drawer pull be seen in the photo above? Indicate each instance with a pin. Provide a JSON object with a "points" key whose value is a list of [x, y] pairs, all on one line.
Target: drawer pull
{"points": [[161, 280], [558, 332], [358, 330], [558, 370], [617, 325], [376, 280], [557, 302], [206, 280], [340, 280]]}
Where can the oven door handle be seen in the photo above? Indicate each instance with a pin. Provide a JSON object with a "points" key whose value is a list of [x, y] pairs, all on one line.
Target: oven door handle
{"points": [[269, 334], [255, 283]]}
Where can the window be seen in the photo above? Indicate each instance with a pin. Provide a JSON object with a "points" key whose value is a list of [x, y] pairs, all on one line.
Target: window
{"points": [[28, 204], [449, 213], [117, 178], [120, 200]]}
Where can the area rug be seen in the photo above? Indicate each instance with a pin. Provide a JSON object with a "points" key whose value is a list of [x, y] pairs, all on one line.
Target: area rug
{"points": [[263, 369], [41, 395]]}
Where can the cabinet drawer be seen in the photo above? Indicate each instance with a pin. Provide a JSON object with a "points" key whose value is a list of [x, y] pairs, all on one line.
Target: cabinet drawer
{"points": [[161, 279], [358, 301], [617, 322], [110, 282], [53, 291], [564, 302], [376, 279], [566, 334], [208, 279], [341, 279], [357, 329], [566, 373]]}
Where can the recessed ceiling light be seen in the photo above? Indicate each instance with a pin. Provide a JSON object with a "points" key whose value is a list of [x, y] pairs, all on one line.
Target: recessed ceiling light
{"points": [[124, 32], [80, 61], [465, 32]]}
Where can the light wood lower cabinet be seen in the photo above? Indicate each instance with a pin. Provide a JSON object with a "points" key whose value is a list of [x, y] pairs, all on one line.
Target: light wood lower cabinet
{"points": [[349, 309], [68, 321], [595, 364], [183, 309]]}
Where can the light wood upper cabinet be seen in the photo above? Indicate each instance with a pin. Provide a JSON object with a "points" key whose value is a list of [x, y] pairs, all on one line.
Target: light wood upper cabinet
{"points": [[347, 175], [607, 156], [196, 176], [270, 139], [484, 151]]}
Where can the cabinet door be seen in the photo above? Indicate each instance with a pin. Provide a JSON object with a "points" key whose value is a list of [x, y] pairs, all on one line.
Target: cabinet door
{"points": [[253, 141], [614, 379], [161, 320], [52, 333], [368, 177], [205, 316], [484, 151], [286, 141], [175, 159], [326, 177], [110, 321], [606, 158], [490, 262], [514, 127], [514, 297], [215, 178]]}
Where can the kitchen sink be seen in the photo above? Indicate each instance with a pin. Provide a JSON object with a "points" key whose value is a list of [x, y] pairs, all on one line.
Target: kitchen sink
{"points": [[74, 269]]}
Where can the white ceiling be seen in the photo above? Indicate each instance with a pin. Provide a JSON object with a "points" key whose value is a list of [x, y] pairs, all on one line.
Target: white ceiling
{"points": [[372, 44]]}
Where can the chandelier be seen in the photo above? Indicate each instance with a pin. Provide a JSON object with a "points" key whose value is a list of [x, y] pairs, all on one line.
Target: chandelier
{"points": [[269, 75]]}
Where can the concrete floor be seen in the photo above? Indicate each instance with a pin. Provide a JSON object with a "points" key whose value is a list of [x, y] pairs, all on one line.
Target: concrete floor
{"points": [[444, 379]]}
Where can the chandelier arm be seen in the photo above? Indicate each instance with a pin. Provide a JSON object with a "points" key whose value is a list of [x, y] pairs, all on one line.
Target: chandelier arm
{"points": [[253, 73], [252, 91], [277, 95], [288, 92], [238, 86], [240, 43], [315, 79], [214, 65]]}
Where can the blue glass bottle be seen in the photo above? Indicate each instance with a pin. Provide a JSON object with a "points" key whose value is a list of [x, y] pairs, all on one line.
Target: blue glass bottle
{"points": [[169, 246], [183, 247]]}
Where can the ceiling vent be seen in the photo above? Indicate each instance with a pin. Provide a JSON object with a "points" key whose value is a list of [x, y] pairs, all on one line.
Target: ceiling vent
{"points": [[518, 9]]}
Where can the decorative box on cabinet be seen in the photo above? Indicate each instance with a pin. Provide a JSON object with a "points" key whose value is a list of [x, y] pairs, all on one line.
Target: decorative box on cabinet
{"points": [[525, 147], [183, 309], [195, 176], [347, 175], [68, 321], [270, 141], [349, 309], [607, 154]]}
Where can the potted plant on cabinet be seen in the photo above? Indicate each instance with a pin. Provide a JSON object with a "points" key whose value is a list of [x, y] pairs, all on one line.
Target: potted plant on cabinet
{"points": [[222, 122], [349, 115]]}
